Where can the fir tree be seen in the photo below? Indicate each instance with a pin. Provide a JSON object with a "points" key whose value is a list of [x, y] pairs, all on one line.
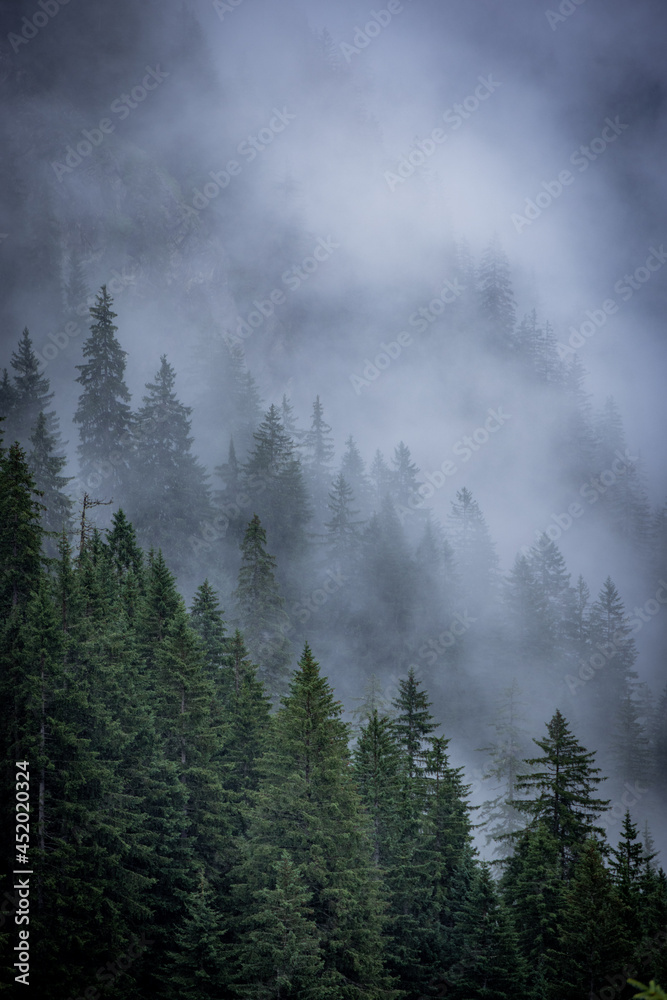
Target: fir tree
{"points": [[46, 467], [564, 780], [103, 413], [170, 493], [475, 553], [22, 534], [261, 609], [343, 536], [496, 296], [533, 888], [591, 932], [413, 723], [31, 393], [404, 476], [274, 478], [491, 966], [206, 618], [501, 818], [308, 807], [353, 470]]}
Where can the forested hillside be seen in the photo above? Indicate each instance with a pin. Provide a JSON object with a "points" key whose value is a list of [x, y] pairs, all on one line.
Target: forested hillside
{"points": [[333, 533]]}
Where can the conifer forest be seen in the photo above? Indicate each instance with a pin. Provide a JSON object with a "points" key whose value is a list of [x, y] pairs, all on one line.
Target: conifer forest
{"points": [[333, 500]]}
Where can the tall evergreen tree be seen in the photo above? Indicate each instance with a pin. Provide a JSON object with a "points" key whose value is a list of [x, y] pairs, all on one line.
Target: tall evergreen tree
{"points": [[501, 818], [318, 458], [496, 296], [475, 553], [31, 393], [563, 781], [274, 479], [261, 609], [309, 808], [404, 476], [343, 535], [169, 489], [46, 466], [103, 413]]}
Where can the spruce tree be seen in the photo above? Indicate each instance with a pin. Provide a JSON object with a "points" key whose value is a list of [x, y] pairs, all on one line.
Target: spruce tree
{"points": [[592, 936], [353, 470], [31, 393], [318, 456], [22, 531], [206, 618], [169, 490], [274, 479], [343, 534], [46, 467], [490, 964], [500, 817], [475, 553], [261, 611], [533, 889], [405, 474], [308, 807], [563, 781], [103, 413], [496, 297]]}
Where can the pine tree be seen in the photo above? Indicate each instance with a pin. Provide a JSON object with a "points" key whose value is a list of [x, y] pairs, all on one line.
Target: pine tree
{"points": [[158, 606], [591, 931], [46, 467], [629, 743], [491, 966], [501, 818], [378, 773], [22, 534], [170, 494], [404, 477], [343, 535], [245, 410], [615, 651], [206, 618], [318, 456], [627, 865], [246, 725], [8, 399], [381, 480], [31, 393], [308, 807], [103, 413], [413, 723], [353, 470], [274, 479], [533, 889], [261, 609], [196, 968], [475, 553], [564, 780], [496, 296]]}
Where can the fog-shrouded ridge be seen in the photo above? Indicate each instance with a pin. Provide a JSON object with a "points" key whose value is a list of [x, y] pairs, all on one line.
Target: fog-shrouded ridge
{"points": [[438, 230]]}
